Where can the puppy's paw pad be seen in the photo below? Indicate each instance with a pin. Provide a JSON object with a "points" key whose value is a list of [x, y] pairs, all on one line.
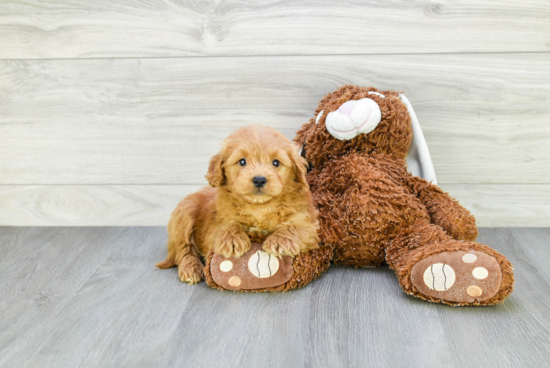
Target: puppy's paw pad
{"points": [[459, 276]]}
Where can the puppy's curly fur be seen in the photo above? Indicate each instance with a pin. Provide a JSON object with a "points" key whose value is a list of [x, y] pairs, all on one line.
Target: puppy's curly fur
{"points": [[222, 217]]}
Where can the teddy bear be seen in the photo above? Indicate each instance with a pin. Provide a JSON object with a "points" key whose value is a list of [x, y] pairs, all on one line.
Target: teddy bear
{"points": [[372, 211]]}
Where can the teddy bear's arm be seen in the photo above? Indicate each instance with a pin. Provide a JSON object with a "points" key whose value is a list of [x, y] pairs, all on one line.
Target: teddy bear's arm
{"points": [[444, 211]]}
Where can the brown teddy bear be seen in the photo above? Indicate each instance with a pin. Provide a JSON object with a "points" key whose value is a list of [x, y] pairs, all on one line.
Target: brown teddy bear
{"points": [[373, 211]]}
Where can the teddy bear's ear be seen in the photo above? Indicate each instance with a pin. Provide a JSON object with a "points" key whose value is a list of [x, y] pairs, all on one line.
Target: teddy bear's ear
{"points": [[301, 137], [419, 161]]}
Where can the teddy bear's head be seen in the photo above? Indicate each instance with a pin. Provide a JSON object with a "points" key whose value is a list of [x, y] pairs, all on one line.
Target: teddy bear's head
{"points": [[356, 119]]}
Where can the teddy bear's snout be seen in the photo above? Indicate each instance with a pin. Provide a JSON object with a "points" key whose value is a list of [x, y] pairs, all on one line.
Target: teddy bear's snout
{"points": [[353, 118]]}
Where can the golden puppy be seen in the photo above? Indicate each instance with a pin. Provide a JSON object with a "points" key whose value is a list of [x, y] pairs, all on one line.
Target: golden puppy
{"points": [[258, 185]]}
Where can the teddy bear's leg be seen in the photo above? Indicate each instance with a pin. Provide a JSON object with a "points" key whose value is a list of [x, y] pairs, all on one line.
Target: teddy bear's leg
{"points": [[445, 211], [432, 265]]}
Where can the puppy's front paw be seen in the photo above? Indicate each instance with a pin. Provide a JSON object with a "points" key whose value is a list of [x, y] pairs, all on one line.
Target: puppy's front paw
{"points": [[232, 245], [191, 272], [281, 246]]}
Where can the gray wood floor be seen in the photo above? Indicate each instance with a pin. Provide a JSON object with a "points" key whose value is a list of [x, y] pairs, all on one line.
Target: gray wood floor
{"points": [[92, 297]]}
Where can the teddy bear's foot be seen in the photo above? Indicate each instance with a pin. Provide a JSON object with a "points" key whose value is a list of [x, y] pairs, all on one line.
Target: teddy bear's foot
{"points": [[461, 277], [256, 269]]}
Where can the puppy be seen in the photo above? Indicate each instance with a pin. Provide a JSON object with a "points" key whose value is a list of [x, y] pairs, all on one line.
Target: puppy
{"points": [[257, 185]]}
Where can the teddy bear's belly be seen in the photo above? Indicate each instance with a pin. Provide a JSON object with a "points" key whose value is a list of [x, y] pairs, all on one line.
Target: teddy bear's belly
{"points": [[359, 221]]}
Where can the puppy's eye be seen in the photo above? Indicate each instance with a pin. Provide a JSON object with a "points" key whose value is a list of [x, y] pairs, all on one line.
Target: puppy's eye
{"points": [[242, 162], [276, 163]]}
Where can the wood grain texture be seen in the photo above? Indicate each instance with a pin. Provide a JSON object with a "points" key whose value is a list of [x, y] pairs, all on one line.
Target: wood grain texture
{"points": [[153, 121], [500, 205], [90, 205], [537, 255], [91, 297], [76, 29], [41, 270], [151, 205]]}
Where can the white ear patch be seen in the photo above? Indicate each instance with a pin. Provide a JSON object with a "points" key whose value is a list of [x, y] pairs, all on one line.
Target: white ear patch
{"points": [[319, 117], [376, 93], [353, 118]]}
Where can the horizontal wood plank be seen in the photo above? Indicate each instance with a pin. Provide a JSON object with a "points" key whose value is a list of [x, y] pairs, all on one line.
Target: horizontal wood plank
{"points": [[98, 29], [495, 205], [89, 205], [499, 205], [152, 121]]}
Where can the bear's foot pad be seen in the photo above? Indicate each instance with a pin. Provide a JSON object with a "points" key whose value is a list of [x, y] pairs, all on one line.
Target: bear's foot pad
{"points": [[459, 276], [256, 269]]}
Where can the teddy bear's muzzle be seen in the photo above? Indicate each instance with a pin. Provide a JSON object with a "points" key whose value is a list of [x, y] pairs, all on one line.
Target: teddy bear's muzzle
{"points": [[353, 118]]}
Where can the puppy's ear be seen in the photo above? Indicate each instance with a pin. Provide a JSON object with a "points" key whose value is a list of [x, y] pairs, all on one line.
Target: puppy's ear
{"points": [[300, 168], [215, 175]]}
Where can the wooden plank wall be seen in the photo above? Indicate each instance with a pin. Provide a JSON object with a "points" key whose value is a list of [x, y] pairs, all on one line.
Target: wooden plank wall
{"points": [[110, 110]]}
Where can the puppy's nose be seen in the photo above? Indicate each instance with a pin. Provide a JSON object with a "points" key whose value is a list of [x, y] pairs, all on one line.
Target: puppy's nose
{"points": [[259, 181]]}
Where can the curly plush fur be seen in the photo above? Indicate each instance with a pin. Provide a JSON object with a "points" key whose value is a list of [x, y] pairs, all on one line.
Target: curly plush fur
{"points": [[372, 210]]}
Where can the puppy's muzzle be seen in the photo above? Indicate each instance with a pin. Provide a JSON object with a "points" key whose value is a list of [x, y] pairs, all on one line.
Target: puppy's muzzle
{"points": [[259, 181]]}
